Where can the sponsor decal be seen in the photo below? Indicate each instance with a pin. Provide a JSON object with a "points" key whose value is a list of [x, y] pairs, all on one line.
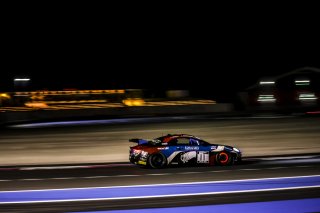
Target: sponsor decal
{"points": [[163, 148], [213, 147], [191, 148], [172, 156], [202, 157], [219, 148], [188, 156]]}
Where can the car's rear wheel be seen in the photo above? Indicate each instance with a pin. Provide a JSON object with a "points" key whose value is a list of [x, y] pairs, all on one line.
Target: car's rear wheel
{"points": [[157, 160], [224, 159]]}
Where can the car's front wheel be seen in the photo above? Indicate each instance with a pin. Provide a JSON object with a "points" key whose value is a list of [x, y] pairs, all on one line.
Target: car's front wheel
{"points": [[157, 160], [224, 159]]}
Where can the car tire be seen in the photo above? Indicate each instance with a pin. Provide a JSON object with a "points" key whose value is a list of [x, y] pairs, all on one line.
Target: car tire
{"points": [[224, 159], [157, 161]]}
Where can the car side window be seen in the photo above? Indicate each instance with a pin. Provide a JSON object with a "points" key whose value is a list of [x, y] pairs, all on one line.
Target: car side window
{"points": [[173, 142], [182, 141]]}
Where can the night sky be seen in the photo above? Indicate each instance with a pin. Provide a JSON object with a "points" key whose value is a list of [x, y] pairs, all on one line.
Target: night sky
{"points": [[95, 53]]}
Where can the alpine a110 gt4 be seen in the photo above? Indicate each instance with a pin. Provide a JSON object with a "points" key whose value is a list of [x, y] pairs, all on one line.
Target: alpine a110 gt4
{"points": [[181, 149]]}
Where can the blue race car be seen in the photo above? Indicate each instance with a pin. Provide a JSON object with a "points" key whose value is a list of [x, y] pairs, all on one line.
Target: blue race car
{"points": [[181, 149]]}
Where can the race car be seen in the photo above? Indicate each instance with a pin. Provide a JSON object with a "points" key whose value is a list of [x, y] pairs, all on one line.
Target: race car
{"points": [[181, 149]]}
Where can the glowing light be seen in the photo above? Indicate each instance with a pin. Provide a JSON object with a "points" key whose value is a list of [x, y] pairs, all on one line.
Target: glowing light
{"points": [[307, 96], [266, 82], [133, 102], [4, 95], [235, 149], [21, 79], [302, 82], [266, 98], [313, 112], [36, 104]]}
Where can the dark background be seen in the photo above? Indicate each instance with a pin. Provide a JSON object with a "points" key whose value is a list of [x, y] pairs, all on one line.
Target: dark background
{"points": [[210, 54]]}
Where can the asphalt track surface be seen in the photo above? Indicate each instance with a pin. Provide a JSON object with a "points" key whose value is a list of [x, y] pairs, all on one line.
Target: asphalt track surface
{"points": [[114, 175], [297, 155], [64, 144]]}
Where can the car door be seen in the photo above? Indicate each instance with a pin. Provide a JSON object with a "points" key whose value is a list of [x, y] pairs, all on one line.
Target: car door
{"points": [[188, 149], [202, 151]]}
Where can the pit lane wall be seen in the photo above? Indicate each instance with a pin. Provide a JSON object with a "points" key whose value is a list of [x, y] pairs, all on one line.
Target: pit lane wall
{"points": [[7, 117]]}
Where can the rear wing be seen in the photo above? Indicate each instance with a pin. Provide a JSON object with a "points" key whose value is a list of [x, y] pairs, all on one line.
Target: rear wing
{"points": [[138, 141]]}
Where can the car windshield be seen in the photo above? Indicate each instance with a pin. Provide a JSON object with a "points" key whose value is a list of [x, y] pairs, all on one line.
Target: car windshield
{"points": [[197, 141], [159, 139]]}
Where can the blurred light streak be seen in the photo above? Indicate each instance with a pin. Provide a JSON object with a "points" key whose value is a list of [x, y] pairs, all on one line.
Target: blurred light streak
{"points": [[313, 112], [302, 82], [307, 96], [160, 190], [36, 104], [4, 95], [21, 79], [292, 206], [266, 98], [266, 82]]}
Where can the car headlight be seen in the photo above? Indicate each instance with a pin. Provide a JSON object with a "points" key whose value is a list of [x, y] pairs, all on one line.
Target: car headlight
{"points": [[235, 149]]}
